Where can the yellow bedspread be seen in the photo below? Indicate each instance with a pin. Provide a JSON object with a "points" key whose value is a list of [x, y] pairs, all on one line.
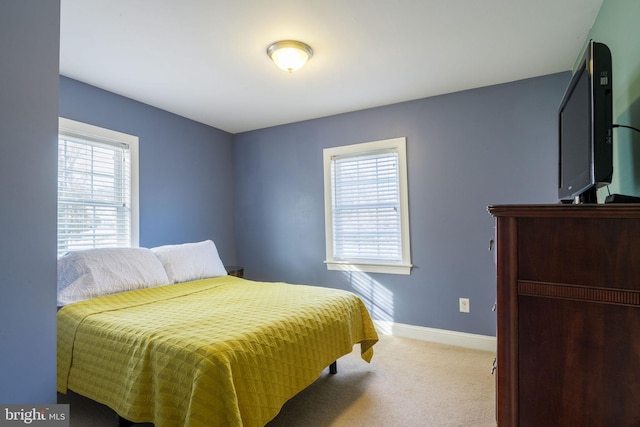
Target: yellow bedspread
{"points": [[214, 352]]}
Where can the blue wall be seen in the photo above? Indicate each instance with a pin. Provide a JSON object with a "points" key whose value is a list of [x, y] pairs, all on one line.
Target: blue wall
{"points": [[186, 171], [29, 40], [466, 150]]}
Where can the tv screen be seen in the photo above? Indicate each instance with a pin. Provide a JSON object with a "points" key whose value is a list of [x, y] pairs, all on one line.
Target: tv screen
{"points": [[585, 128]]}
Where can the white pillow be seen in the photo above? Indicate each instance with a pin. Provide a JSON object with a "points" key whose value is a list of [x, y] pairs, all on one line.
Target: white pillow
{"points": [[96, 272], [190, 261]]}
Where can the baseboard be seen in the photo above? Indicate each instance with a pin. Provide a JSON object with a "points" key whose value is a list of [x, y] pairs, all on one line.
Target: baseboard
{"points": [[442, 336]]}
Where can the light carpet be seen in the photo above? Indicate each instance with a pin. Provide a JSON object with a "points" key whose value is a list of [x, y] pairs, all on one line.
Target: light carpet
{"points": [[408, 383]]}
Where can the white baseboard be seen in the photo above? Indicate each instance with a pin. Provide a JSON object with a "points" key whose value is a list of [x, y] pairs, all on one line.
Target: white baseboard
{"points": [[442, 336]]}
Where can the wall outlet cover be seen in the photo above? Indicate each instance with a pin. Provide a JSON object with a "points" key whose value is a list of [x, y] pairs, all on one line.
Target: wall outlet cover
{"points": [[464, 305]]}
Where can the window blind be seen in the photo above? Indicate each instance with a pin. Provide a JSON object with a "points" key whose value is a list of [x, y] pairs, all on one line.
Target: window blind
{"points": [[94, 194], [366, 207]]}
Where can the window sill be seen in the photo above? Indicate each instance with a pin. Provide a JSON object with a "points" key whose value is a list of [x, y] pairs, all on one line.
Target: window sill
{"points": [[404, 269]]}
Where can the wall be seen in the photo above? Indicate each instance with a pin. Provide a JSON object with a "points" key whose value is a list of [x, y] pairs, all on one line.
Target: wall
{"points": [[186, 171], [466, 150], [617, 27], [29, 39]]}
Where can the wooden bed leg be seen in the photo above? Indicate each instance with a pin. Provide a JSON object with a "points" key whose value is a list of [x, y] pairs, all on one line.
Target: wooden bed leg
{"points": [[123, 422], [333, 368]]}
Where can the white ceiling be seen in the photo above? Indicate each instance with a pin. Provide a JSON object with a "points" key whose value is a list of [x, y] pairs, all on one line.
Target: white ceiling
{"points": [[206, 59]]}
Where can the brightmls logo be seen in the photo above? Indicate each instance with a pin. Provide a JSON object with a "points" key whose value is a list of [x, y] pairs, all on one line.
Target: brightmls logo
{"points": [[35, 415]]}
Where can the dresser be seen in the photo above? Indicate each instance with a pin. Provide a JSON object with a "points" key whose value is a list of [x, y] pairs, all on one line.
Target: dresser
{"points": [[568, 315]]}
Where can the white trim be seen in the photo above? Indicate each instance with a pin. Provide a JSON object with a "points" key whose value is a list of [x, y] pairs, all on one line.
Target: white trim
{"points": [[395, 144], [369, 268], [72, 127], [442, 336]]}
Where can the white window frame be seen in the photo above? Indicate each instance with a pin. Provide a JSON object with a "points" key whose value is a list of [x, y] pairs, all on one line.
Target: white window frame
{"points": [[397, 145], [75, 129]]}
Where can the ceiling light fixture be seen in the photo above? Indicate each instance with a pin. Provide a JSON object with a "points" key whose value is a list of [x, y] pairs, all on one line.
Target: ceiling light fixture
{"points": [[289, 55]]}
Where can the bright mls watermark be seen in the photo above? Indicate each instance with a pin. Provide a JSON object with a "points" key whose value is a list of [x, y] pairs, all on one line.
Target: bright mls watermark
{"points": [[34, 415]]}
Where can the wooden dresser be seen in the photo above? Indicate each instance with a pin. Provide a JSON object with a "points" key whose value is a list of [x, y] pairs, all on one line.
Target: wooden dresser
{"points": [[568, 307]]}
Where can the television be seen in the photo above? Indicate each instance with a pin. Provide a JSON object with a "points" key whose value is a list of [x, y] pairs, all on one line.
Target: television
{"points": [[585, 128]]}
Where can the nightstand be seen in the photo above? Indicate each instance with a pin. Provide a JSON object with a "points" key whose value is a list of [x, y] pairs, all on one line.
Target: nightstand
{"points": [[235, 270]]}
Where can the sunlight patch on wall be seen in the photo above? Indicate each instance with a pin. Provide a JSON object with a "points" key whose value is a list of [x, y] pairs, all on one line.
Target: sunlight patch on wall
{"points": [[377, 298]]}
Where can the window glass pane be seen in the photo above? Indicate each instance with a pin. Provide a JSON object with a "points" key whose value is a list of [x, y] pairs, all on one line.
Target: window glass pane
{"points": [[366, 207], [93, 194]]}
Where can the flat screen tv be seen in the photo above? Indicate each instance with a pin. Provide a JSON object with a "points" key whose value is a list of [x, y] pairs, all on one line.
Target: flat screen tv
{"points": [[585, 128]]}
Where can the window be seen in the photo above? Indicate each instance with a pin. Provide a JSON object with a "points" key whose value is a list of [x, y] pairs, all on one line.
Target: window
{"points": [[366, 207], [97, 187]]}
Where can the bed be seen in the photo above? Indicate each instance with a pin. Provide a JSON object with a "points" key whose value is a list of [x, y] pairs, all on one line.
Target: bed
{"points": [[212, 351]]}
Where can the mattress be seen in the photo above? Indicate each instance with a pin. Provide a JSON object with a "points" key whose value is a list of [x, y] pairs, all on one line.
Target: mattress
{"points": [[216, 352]]}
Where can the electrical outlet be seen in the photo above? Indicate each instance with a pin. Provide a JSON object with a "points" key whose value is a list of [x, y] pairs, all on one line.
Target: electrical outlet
{"points": [[464, 305]]}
